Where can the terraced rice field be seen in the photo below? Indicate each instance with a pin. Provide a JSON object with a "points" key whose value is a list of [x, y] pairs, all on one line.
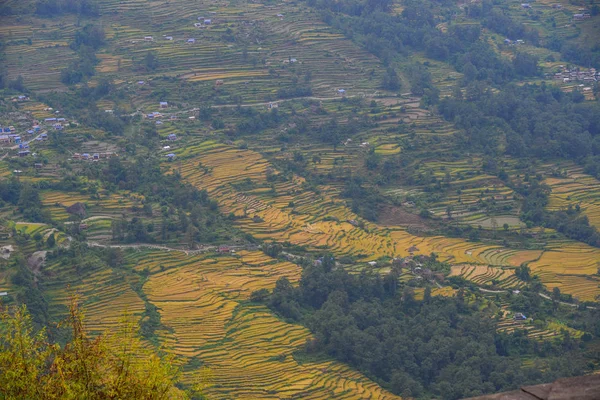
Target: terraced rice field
{"points": [[508, 325], [254, 62], [445, 291], [57, 202], [106, 294], [535, 330], [487, 276], [576, 188], [202, 302], [310, 222], [476, 198]]}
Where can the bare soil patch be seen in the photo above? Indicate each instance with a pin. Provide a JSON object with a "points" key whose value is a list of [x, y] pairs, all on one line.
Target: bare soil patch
{"points": [[398, 216]]}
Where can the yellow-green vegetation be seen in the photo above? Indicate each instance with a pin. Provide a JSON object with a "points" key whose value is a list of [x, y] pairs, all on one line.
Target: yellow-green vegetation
{"points": [[575, 189], [106, 366]]}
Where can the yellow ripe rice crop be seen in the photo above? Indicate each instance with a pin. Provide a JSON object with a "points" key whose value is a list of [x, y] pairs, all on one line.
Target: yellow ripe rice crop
{"points": [[445, 291], [317, 220], [484, 275], [249, 351], [202, 76], [576, 189]]}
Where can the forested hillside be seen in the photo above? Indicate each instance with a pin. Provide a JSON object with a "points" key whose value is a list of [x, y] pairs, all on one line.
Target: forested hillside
{"points": [[303, 199]]}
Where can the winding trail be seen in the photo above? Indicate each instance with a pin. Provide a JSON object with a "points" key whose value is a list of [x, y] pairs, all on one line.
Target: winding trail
{"points": [[545, 296], [202, 249]]}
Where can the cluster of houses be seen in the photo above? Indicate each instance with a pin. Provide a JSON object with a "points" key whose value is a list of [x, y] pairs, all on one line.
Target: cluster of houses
{"points": [[10, 139], [56, 123], [577, 75], [92, 157]]}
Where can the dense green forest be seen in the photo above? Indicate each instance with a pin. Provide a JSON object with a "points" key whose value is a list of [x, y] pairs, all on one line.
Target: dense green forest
{"points": [[437, 347]]}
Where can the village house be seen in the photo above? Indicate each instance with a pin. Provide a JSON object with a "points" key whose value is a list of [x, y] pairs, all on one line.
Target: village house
{"points": [[191, 40], [574, 74], [219, 82], [172, 136], [207, 21], [148, 38], [171, 156], [154, 115], [163, 104], [5, 139], [24, 153], [526, 5], [519, 317]]}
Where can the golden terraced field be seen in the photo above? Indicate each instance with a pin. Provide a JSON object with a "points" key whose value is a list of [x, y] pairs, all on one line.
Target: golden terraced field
{"points": [[270, 217], [203, 305]]}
